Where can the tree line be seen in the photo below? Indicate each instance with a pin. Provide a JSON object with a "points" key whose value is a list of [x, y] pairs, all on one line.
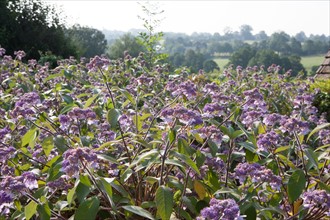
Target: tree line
{"points": [[40, 30]]}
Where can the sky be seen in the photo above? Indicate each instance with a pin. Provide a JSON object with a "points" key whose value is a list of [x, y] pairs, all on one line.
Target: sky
{"points": [[310, 16]]}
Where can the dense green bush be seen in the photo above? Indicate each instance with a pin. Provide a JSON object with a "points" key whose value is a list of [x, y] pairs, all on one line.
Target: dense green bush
{"points": [[112, 139]]}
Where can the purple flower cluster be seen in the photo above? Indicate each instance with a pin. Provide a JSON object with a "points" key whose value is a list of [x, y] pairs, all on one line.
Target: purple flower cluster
{"points": [[97, 62], [290, 125], [20, 54], [211, 132], [213, 110], [226, 209], [186, 116], [268, 141], [272, 119], [73, 157], [258, 174], [6, 199], [254, 108], [75, 115], [211, 88], [24, 106], [19, 183], [2, 51], [317, 198], [186, 88], [324, 136], [6, 153]]}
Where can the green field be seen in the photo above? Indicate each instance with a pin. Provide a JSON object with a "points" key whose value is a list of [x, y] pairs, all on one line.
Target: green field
{"points": [[307, 61], [221, 62]]}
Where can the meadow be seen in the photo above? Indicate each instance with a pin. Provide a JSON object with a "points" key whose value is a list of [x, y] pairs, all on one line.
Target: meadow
{"points": [[307, 61], [127, 139]]}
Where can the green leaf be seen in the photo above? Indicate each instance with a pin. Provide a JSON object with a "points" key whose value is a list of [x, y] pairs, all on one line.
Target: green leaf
{"points": [[164, 202], [67, 108], [70, 195], [296, 185], [280, 149], [60, 143], [112, 117], [29, 137], [30, 209], [68, 99], [312, 158], [128, 96], [82, 191], [44, 211], [138, 211], [186, 160], [90, 101], [47, 145], [318, 128], [171, 136], [88, 209]]}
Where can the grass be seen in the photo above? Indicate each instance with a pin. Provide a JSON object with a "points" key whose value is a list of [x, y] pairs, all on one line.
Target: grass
{"points": [[309, 61], [221, 62]]}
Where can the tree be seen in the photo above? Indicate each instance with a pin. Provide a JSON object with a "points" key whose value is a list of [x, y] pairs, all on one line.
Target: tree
{"points": [[128, 43], [242, 56], [245, 32], [266, 58], [33, 26], [89, 41], [279, 42], [210, 66]]}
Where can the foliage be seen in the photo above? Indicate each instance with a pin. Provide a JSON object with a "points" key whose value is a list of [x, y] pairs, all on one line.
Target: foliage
{"points": [[125, 44], [114, 140], [322, 99], [33, 26], [150, 38], [89, 41]]}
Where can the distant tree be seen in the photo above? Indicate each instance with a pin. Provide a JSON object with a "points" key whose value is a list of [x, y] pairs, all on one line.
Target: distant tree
{"points": [[265, 57], [301, 36], [242, 56], [261, 36], [210, 66], [33, 26], [295, 46], [194, 60], [89, 41], [280, 42], [127, 43], [245, 32]]}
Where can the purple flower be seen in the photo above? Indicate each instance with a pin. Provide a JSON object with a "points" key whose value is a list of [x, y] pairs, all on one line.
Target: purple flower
{"points": [[6, 153], [73, 157], [317, 198], [2, 51], [294, 125], [19, 54], [267, 141], [212, 132], [186, 88], [30, 180], [5, 200], [325, 136], [257, 174], [271, 119], [221, 209], [97, 62], [213, 109]]}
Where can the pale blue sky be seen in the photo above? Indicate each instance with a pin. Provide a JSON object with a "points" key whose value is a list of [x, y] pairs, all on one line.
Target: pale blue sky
{"points": [[310, 16]]}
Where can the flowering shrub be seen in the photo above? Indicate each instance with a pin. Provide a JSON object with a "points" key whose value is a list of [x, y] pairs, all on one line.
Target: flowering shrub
{"points": [[114, 139]]}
